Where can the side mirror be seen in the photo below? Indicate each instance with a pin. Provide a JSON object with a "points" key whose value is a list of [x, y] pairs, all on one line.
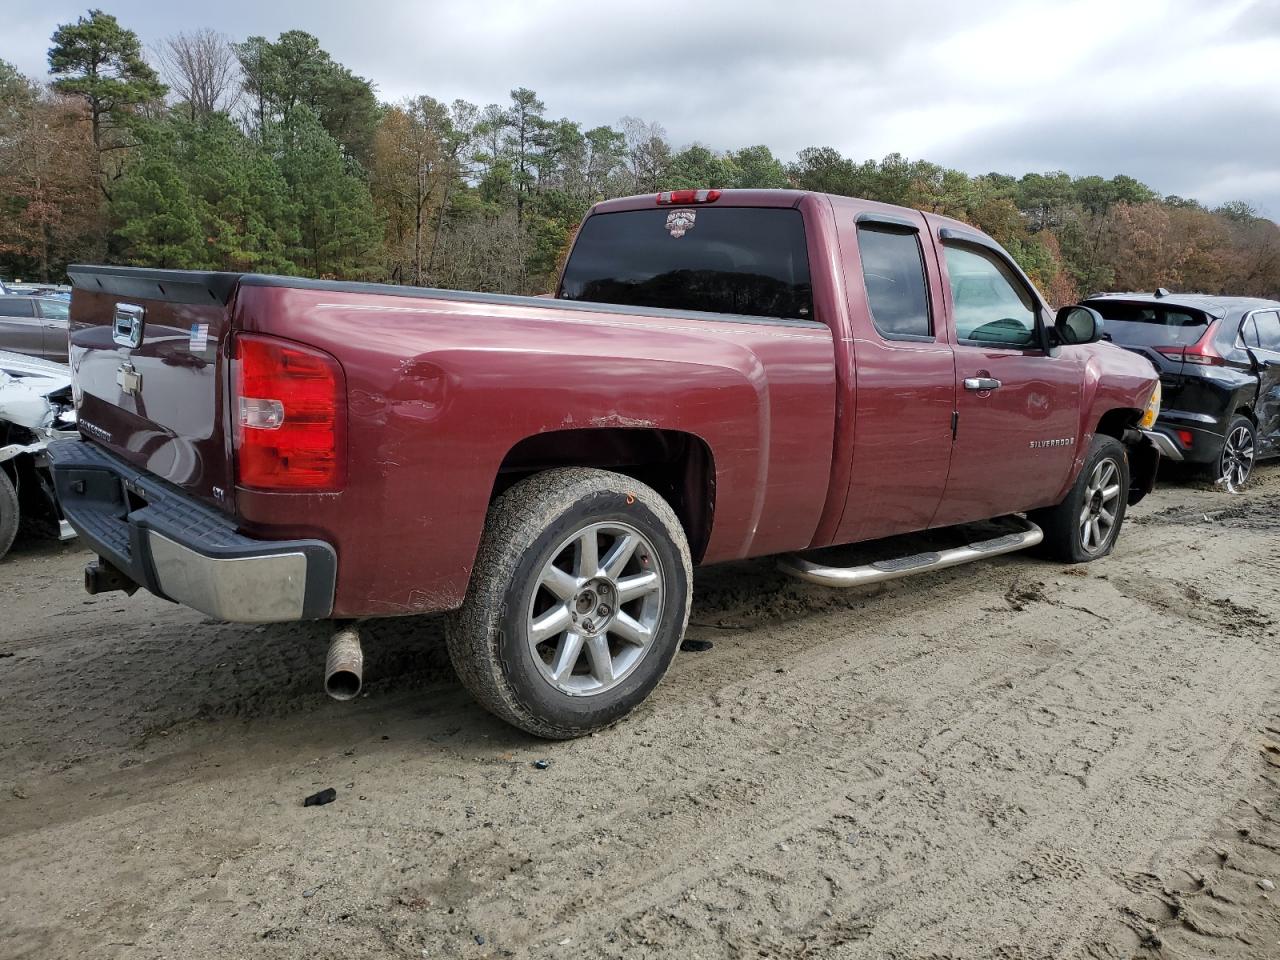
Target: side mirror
{"points": [[1075, 325]]}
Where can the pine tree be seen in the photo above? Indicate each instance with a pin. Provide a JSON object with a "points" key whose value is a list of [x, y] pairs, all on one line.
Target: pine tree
{"points": [[339, 231], [241, 197], [158, 218], [101, 62]]}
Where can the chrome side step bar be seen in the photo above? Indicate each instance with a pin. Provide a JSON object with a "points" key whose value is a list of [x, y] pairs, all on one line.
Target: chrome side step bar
{"points": [[881, 570]]}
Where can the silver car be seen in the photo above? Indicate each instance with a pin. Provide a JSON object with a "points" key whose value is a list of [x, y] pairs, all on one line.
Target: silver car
{"points": [[34, 326]]}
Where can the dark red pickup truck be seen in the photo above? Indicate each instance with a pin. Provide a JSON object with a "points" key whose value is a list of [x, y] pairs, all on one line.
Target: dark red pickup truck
{"points": [[720, 375]]}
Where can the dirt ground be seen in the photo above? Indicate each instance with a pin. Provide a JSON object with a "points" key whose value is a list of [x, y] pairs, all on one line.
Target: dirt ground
{"points": [[1013, 759]]}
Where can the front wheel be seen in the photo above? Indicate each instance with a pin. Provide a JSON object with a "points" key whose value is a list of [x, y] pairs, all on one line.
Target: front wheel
{"points": [[1085, 525], [578, 599], [9, 514]]}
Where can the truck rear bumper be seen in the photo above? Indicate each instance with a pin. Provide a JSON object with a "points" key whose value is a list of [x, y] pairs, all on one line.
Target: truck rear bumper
{"points": [[183, 550]]}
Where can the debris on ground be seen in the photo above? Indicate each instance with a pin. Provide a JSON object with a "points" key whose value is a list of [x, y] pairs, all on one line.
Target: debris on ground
{"points": [[695, 646], [1022, 594], [541, 764], [327, 795]]}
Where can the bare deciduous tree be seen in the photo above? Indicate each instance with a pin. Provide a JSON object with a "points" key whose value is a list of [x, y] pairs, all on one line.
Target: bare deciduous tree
{"points": [[202, 69]]}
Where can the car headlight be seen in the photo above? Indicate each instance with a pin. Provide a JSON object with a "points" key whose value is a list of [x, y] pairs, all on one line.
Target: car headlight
{"points": [[1153, 409]]}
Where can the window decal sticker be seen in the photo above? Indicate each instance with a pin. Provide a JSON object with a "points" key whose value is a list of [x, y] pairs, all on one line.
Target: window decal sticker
{"points": [[680, 222]]}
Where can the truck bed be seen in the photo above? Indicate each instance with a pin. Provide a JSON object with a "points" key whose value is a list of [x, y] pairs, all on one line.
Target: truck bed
{"points": [[447, 394]]}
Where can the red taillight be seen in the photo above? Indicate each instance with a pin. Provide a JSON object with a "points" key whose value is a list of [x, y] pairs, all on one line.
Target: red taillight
{"points": [[1201, 353], [290, 412], [689, 196], [1186, 437]]}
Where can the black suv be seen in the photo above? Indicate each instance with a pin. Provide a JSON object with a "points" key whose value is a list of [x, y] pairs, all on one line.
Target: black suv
{"points": [[1219, 365]]}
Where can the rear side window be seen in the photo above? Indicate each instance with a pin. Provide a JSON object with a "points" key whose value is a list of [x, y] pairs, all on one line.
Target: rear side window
{"points": [[743, 260], [1146, 325], [893, 271], [55, 309], [992, 306], [16, 307], [1249, 332], [1268, 330]]}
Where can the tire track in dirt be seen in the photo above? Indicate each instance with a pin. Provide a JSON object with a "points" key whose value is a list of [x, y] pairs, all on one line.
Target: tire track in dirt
{"points": [[991, 761], [891, 794]]}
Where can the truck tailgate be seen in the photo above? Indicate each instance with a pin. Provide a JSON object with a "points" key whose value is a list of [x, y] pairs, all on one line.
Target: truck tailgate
{"points": [[147, 353]]}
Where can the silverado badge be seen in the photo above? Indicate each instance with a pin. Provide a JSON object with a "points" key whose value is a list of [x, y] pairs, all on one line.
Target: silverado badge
{"points": [[680, 222]]}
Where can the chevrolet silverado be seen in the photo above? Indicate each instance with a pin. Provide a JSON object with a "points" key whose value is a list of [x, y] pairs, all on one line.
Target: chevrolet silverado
{"points": [[719, 375]]}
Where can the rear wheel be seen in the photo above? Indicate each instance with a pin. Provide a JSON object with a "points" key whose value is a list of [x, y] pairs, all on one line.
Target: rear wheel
{"points": [[1085, 525], [577, 602], [1234, 464], [9, 515]]}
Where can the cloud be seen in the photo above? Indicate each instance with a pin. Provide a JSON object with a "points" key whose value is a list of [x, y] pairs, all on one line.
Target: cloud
{"points": [[1178, 93]]}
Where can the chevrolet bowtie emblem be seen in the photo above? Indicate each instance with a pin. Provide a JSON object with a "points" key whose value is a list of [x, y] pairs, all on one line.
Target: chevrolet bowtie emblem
{"points": [[130, 380]]}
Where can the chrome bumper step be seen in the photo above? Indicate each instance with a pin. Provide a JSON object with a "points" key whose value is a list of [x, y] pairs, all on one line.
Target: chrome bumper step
{"points": [[797, 566]]}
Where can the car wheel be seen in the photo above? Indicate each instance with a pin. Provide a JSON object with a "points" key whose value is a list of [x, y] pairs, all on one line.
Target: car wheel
{"points": [[9, 515], [1234, 464], [578, 599], [1085, 525]]}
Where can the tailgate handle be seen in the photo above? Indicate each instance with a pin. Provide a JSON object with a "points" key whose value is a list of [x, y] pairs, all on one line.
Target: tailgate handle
{"points": [[126, 330]]}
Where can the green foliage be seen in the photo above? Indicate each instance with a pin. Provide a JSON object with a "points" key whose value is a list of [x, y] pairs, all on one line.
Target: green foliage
{"points": [[15, 89], [245, 212], [201, 194], [159, 221], [823, 169], [295, 72], [757, 167], [100, 61], [319, 178], [338, 228], [698, 166]]}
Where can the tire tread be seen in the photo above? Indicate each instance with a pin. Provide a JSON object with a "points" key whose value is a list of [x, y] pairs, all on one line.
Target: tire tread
{"points": [[514, 522], [1060, 522]]}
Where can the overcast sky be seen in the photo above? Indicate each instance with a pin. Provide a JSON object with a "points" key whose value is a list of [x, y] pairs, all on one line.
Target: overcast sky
{"points": [[1182, 94]]}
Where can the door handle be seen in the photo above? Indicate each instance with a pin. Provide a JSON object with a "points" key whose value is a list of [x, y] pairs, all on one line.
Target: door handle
{"points": [[981, 384]]}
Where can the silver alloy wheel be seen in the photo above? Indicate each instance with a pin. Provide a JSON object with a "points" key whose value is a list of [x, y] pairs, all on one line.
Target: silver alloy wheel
{"points": [[1101, 504], [1237, 457], [595, 608]]}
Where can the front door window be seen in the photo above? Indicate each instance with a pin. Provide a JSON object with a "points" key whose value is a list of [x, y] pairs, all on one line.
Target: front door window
{"points": [[992, 307]]}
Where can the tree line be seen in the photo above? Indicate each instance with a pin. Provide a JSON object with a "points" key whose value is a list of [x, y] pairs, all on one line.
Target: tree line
{"points": [[270, 156]]}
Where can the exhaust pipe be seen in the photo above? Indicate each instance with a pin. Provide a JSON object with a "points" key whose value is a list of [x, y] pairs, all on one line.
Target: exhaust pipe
{"points": [[344, 666]]}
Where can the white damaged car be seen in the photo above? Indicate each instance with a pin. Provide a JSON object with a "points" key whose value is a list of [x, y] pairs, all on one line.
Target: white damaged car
{"points": [[36, 406]]}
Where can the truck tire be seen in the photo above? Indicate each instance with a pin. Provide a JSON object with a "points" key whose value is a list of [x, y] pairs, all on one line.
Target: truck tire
{"points": [[578, 599], [1085, 525], [1239, 450], [8, 513]]}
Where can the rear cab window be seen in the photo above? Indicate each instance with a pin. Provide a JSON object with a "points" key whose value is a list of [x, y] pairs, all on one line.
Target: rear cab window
{"points": [[893, 272], [750, 261], [1148, 325]]}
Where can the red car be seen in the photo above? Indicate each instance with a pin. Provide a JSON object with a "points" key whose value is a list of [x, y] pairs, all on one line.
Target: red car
{"points": [[721, 375]]}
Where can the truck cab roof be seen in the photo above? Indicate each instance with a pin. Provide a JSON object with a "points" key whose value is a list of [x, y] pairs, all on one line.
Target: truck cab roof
{"points": [[768, 198]]}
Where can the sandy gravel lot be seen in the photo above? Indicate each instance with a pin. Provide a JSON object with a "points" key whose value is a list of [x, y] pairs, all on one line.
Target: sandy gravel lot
{"points": [[1012, 759]]}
